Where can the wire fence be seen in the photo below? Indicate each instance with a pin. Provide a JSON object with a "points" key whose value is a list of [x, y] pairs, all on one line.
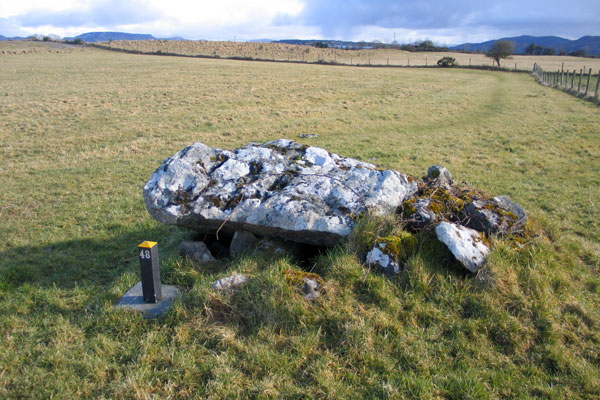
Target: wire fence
{"points": [[578, 83]]}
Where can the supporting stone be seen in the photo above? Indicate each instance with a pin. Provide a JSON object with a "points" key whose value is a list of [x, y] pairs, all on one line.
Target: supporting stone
{"points": [[134, 300]]}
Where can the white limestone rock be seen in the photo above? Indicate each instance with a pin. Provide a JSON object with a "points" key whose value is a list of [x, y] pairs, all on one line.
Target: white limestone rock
{"points": [[467, 245], [230, 282], [280, 189], [377, 257]]}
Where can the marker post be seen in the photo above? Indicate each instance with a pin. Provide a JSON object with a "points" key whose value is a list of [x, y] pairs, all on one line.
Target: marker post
{"points": [[150, 271], [149, 296]]}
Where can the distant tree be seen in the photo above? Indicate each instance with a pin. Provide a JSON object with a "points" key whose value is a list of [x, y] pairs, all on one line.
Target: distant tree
{"points": [[531, 49], [548, 51], [501, 49], [538, 50], [426, 45], [578, 53], [321, 45]]}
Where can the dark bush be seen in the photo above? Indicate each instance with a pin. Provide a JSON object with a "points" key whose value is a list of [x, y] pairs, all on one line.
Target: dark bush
{"points": [[447, 62]]}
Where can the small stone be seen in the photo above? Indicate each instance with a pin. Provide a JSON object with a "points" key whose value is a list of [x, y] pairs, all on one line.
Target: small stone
{"points": [[386, 263], [499, 216], [467, 245], [423, 216], [195, 251], [308, 135], [242, 241], [279, 248], [508, 205], [441, 175], [310, 289], [230, 282]]}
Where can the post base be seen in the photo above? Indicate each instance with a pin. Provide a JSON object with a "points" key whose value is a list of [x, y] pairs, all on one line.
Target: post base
{"points": [[134, 300]]}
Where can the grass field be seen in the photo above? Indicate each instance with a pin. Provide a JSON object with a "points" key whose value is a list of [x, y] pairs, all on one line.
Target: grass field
{"points": [[82, 132], [285, 52], [23, 47]]}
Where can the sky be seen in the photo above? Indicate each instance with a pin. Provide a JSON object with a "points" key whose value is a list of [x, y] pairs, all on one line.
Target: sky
{"points": [[444, 22]]}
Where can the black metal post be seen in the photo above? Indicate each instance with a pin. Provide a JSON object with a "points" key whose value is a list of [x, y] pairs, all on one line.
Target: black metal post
{"points": [[150, 271]]}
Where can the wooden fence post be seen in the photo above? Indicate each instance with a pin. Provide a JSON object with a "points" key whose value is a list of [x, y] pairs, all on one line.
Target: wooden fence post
{"points": [[573, 79], [580, 78], [597, 85], [587, 86]]}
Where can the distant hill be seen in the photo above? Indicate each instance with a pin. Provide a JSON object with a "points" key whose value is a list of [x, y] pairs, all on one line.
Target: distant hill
{"points": [[91, 37], [3, 38], [589, 44], [338, 44]]}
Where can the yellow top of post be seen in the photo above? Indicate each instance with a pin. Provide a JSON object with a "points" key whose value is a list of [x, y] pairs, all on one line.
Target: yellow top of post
{"points": [[147, 244]]}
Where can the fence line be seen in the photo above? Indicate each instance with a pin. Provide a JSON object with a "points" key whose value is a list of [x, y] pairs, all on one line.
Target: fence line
{"points": [[560, 80], [339, 57]]}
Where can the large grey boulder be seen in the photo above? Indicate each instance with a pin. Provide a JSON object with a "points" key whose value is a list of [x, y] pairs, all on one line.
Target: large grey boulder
{"points": [[467, 245], [280, 189]]}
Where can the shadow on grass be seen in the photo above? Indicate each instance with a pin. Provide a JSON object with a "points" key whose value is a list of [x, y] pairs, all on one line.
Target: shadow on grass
{"points": [[95, 262]]}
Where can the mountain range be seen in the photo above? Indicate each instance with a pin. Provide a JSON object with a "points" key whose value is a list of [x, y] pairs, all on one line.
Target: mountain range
{"points": [[588, 45]]}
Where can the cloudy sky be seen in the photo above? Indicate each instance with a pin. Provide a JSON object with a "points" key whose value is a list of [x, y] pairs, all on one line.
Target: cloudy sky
{"points": [[443, 21]]}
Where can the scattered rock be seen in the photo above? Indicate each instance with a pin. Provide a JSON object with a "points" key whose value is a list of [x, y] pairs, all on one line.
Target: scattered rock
{"points": [[242, 241], [420, 213], [437, 199], [308, 135], [195, 251], [385, 262], [278, 248], [310, 289], [499, 215], [230, 282], [439, 176], [280, 189], [467, 245], [310, 282]]}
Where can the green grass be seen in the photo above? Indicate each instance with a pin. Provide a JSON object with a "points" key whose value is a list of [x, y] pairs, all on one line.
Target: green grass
{"points": [[82, 132]]}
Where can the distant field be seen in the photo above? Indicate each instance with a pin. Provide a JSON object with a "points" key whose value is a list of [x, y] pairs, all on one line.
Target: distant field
{"points": [[20, 47], [82, 132], [284, 52]]}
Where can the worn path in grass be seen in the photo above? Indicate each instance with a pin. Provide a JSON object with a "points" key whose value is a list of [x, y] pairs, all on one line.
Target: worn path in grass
{"points": [[82, 132]]}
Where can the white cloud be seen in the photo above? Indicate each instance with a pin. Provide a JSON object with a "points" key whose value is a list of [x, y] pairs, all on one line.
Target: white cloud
{"points": [[442, 21]]}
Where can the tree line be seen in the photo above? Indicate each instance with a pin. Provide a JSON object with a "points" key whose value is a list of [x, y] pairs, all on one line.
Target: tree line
{"points": [[537, 50]]}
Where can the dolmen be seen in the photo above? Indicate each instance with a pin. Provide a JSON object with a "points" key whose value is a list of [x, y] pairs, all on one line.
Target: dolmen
{"points": [[304, 194]]}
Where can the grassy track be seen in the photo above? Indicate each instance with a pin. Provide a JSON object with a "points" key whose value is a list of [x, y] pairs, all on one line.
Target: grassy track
{"points": [[82, 132]]}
